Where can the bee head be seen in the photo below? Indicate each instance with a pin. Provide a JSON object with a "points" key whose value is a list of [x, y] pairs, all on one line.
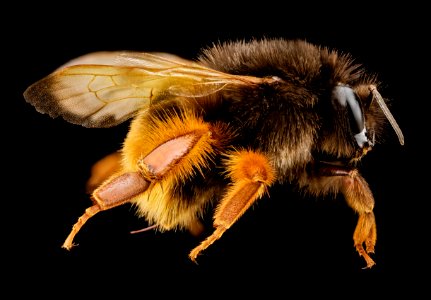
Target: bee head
{"points": [[358, 116], [347, 101]]}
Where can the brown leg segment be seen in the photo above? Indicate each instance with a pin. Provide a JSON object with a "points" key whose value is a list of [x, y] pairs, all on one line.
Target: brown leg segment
{"points": [[104, 169], [124, 187], [358, 196], [251, 174], [196, 228], [117, 191]]}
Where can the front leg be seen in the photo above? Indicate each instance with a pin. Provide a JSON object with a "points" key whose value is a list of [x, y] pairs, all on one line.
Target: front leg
{"points": [[359, 197], [251, 174]]}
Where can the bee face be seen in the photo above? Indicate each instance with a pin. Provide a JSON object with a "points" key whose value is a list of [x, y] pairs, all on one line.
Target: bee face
{"points": [[222, 130], [347, 134]]}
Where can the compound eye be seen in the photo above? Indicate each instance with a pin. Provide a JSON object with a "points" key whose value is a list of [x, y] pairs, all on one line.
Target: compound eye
{"points": [[346, 97]]}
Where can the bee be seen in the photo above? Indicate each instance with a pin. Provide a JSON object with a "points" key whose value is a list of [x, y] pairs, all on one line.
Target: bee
{"points": [[219, 131]]}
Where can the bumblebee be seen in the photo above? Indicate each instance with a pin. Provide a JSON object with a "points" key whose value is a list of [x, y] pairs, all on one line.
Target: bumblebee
{"points": [[219, 131]]}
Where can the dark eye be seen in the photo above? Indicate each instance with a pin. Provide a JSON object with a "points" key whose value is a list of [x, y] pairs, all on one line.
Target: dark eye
{"points": [[344, 96]]}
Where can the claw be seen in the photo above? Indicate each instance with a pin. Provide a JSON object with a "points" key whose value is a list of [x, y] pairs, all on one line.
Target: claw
{"points": [[370, 262]]}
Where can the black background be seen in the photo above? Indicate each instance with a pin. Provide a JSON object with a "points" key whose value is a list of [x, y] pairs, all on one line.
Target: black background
{"points": [[283, 240]]}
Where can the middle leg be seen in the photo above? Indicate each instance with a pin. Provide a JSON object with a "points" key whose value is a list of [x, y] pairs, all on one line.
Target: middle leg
{"points": [[251, 174]]}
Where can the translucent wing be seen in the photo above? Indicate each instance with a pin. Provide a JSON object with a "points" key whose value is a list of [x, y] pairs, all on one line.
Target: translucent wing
{"points": [[119, 58], [104, 89]]}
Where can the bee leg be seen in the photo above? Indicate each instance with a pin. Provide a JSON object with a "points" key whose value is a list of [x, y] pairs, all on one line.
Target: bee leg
{"points": [[103, 169], [196, 228], [251, 174], [360, 198], [118, 190], [166, 157]]}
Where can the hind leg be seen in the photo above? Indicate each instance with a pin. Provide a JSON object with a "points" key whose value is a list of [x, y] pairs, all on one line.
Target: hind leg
{"points": [[103, 169], [173, 150]]}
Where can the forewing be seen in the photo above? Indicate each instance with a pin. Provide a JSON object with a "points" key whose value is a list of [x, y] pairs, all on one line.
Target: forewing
{"points": [[123, 58], [192, 79], [120, 84], [93, 95]]}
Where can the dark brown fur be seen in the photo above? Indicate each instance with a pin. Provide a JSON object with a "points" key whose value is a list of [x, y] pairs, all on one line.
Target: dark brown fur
{"points": [[294, 116]]}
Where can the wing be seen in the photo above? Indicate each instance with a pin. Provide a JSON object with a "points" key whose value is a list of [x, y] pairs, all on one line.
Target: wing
{"points": [[104, 89]]}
